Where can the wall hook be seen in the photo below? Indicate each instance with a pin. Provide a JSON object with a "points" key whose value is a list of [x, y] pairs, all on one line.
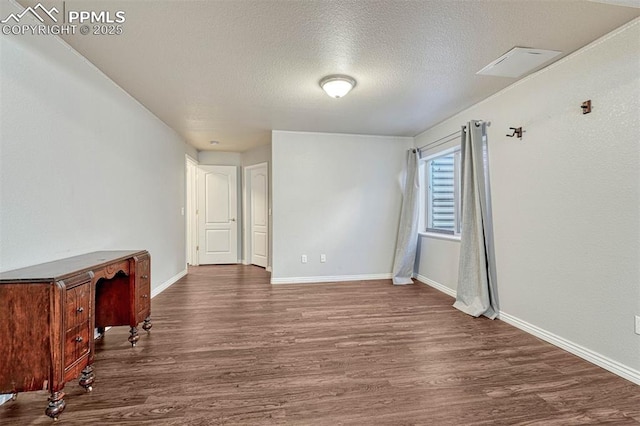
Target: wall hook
{"points": [[517, 131], [586, 107]]}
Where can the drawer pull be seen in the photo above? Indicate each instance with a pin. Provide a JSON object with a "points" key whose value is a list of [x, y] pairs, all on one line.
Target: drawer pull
{"points": [[144, 277], [144, 296], [79, 339], [80, 310]]}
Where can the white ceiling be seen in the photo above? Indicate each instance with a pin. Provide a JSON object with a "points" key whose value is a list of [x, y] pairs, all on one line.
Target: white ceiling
{"points": [[234, 70]]}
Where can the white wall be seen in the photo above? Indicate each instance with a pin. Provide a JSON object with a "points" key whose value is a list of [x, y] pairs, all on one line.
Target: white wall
{"points": [[191, 151], [83, 166], [438, 258], [339, 195], [219, 158], [261, 154], [566, 199]]}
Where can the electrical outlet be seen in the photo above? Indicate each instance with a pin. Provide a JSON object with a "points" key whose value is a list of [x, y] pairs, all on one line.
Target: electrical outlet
{"points": [[323, 258], [637, 324], [303, 258]]}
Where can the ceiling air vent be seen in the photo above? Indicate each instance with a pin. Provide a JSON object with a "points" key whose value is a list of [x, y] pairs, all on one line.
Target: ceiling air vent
{"points": [[518, 61]]}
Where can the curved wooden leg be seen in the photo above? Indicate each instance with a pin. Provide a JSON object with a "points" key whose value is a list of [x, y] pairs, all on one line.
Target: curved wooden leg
{"points": [[56, 405], [133, 336], [146, 326], [87, 378]]}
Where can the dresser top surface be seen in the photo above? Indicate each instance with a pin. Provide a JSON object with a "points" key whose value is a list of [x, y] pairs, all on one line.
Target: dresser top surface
{"points": [[59, 269]]}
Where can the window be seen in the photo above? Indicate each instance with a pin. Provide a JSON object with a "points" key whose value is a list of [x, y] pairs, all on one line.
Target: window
{"points": [[442, 197]]}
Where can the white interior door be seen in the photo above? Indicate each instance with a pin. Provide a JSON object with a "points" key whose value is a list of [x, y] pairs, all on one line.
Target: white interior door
{"points": [[217, 214], [192, 207], [259, 199]]}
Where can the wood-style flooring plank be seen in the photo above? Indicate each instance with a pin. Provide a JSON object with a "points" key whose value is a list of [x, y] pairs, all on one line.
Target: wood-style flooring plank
{"points": [[228, 348]]}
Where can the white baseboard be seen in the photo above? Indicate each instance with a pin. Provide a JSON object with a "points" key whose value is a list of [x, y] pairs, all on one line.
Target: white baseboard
{"points": [[268, 268], [162, 287], [431, 283], [330, 279], [569, 346]]}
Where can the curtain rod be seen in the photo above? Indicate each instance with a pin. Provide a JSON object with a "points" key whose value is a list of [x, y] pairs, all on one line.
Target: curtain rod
{"points": [[441, 140], [449, 137]]}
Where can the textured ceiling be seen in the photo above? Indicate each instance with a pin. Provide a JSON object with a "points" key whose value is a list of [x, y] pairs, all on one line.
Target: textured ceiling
{"points": [[234, 70]]}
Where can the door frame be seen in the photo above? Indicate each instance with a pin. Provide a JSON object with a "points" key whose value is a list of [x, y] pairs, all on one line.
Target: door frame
{"points": [[191, 220], [247, 249]]}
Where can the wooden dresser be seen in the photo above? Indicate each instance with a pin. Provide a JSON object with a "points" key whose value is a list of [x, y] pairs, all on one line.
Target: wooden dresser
{"points": [[50, 311]]}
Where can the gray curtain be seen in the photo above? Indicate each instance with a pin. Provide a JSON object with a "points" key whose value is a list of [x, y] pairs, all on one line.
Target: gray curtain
{"points": [[476, 293], [407, 242]]}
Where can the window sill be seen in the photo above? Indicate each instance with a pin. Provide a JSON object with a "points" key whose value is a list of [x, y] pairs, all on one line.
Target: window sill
{"points": [[438, 236]]}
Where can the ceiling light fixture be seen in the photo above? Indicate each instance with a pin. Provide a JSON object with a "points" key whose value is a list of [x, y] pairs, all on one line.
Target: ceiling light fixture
{"points": [[214, 142], [337, 85]]}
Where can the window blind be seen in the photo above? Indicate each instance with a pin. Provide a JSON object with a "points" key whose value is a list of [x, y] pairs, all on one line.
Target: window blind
{"points": [[442, 193]]}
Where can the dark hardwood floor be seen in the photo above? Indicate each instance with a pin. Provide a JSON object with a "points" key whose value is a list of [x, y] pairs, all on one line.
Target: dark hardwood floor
{"points": [[228, 348]]}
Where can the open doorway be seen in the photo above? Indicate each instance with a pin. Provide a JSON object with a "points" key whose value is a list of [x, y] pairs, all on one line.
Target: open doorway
{"points": [[256, 215]]}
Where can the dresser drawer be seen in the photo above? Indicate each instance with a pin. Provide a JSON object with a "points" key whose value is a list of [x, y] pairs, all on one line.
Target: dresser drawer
{"points": [[143, 267], [143, 285], [77, 305], [77, 343], [144, 294]]}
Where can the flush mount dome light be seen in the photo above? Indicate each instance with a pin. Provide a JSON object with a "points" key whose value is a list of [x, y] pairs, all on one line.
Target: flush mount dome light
{"points": [[337, 85]]}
